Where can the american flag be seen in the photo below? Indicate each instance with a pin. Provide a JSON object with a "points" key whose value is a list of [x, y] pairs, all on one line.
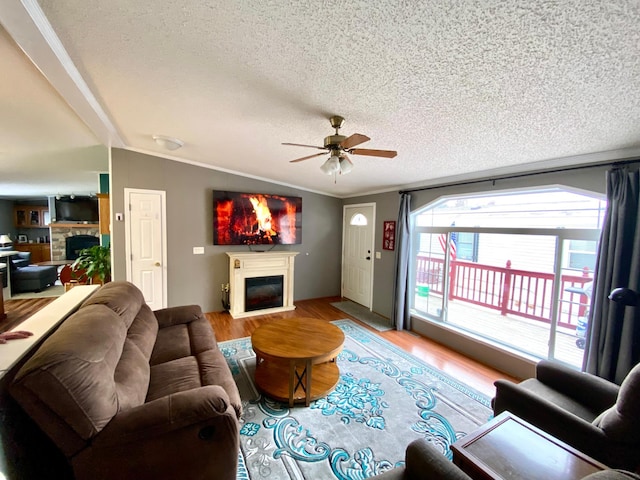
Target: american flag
{"points": [[452, 244]]}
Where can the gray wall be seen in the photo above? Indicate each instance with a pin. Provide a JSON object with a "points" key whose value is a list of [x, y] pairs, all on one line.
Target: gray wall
{"points": [[189, 194], [197, 278], [6, 218]]}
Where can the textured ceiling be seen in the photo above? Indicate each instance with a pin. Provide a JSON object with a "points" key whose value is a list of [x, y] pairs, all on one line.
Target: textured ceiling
{"points": [[457, 88]]}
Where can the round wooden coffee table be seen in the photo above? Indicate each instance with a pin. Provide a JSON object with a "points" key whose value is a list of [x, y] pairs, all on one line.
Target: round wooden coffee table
{"points": [[295, 359]]}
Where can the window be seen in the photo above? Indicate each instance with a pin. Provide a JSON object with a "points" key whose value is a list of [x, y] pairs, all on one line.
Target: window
{"points": [[358, 220], [514, 268], [582, 254], [467, 246]]}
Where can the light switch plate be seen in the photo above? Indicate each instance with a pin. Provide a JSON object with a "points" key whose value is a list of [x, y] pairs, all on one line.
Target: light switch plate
{"points": [[378, 255], [198, 250]]}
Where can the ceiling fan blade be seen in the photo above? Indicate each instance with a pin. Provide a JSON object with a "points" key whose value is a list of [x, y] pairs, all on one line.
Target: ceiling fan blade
{"points": [[308, 157], [353, 140], [374, 153], [302, 145]]}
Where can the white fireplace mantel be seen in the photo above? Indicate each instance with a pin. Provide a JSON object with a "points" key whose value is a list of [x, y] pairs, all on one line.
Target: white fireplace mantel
{"points": [[259, 264]]}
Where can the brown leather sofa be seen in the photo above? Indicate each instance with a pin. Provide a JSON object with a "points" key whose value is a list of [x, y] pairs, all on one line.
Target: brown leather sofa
{"points": [[128, 393]]}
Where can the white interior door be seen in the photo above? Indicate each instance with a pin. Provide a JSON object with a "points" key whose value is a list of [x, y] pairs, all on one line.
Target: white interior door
{"points": [[357, 253], [146, 244]]}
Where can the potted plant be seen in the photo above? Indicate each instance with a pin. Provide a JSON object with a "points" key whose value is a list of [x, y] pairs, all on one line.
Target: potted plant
{"points": [[96, 262]]}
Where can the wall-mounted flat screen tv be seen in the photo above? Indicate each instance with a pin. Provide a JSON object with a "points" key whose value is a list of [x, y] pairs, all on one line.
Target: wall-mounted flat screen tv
{"points": [[75, 209], [256, 219]]}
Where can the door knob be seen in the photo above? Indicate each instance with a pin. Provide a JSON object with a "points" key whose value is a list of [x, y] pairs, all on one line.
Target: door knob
{"points": [[157, 264], [368, 258]]}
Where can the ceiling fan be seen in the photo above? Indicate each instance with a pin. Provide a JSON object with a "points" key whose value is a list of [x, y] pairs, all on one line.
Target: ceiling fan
{"points": [[339, 146]]}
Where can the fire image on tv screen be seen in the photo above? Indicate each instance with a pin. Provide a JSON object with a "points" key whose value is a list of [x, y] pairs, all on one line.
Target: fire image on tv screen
{"points": [[256, 219]]}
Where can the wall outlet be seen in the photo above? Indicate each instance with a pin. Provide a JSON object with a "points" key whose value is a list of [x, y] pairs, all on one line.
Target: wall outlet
{"points": [[198, 250]]}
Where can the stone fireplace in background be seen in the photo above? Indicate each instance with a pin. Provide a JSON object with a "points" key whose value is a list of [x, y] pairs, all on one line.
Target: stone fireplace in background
{"points": [[76, 243], [59, 237]]}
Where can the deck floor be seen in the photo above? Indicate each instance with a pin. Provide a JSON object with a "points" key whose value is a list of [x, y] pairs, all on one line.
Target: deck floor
{"points": [[529, 336]]}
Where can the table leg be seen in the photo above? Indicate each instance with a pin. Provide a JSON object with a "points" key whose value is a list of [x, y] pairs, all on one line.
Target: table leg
{"points": [[308, 372], [302, 380], [292, 379]]}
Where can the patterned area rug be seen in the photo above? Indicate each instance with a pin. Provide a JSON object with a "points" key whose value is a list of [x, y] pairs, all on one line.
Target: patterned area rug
{"points": [[385, 399], [365, 315]]}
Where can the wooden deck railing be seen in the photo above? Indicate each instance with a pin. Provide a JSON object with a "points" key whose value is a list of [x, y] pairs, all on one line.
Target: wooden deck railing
{"points": [[517, 292]]}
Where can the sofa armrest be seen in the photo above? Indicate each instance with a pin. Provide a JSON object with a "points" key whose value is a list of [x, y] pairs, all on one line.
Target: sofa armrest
{"points": [[168, 317], [190, 434], [549, 417], [590, 390], [424, 461], [167, 414]]}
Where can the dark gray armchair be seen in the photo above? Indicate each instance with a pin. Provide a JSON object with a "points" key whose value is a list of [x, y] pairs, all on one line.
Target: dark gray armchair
{"points": [[424, 462], [587, 412], [30, 278]]}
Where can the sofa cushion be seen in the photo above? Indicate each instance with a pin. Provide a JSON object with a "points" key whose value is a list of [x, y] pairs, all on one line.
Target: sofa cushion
{"points": [[621, 422], [175, 376], [559, 399], [202, 336], [131, 376], [144, 330], [124, 298], [183, 340], [171, 343], [21, 259]]}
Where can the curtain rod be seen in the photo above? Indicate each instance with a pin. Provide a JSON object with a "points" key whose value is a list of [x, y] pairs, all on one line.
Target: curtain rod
{"points": [[617, 163]]}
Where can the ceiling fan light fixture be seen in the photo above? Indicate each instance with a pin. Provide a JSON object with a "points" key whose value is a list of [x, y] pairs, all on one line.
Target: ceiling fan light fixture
{"points": [[338, 146], [332, 165], [345, 165], [168, 143]]}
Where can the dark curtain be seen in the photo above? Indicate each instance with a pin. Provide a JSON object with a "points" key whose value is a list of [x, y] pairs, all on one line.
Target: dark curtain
{"points": [[613, 346], [401, 317]]}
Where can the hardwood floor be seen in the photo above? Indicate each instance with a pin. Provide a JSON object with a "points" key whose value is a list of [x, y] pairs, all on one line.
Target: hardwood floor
{"points": [[19, 310], [474, 374]]}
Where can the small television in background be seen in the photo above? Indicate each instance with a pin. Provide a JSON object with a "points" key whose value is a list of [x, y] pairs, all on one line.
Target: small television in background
{"points": [[256, 219], [79, 209]]}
